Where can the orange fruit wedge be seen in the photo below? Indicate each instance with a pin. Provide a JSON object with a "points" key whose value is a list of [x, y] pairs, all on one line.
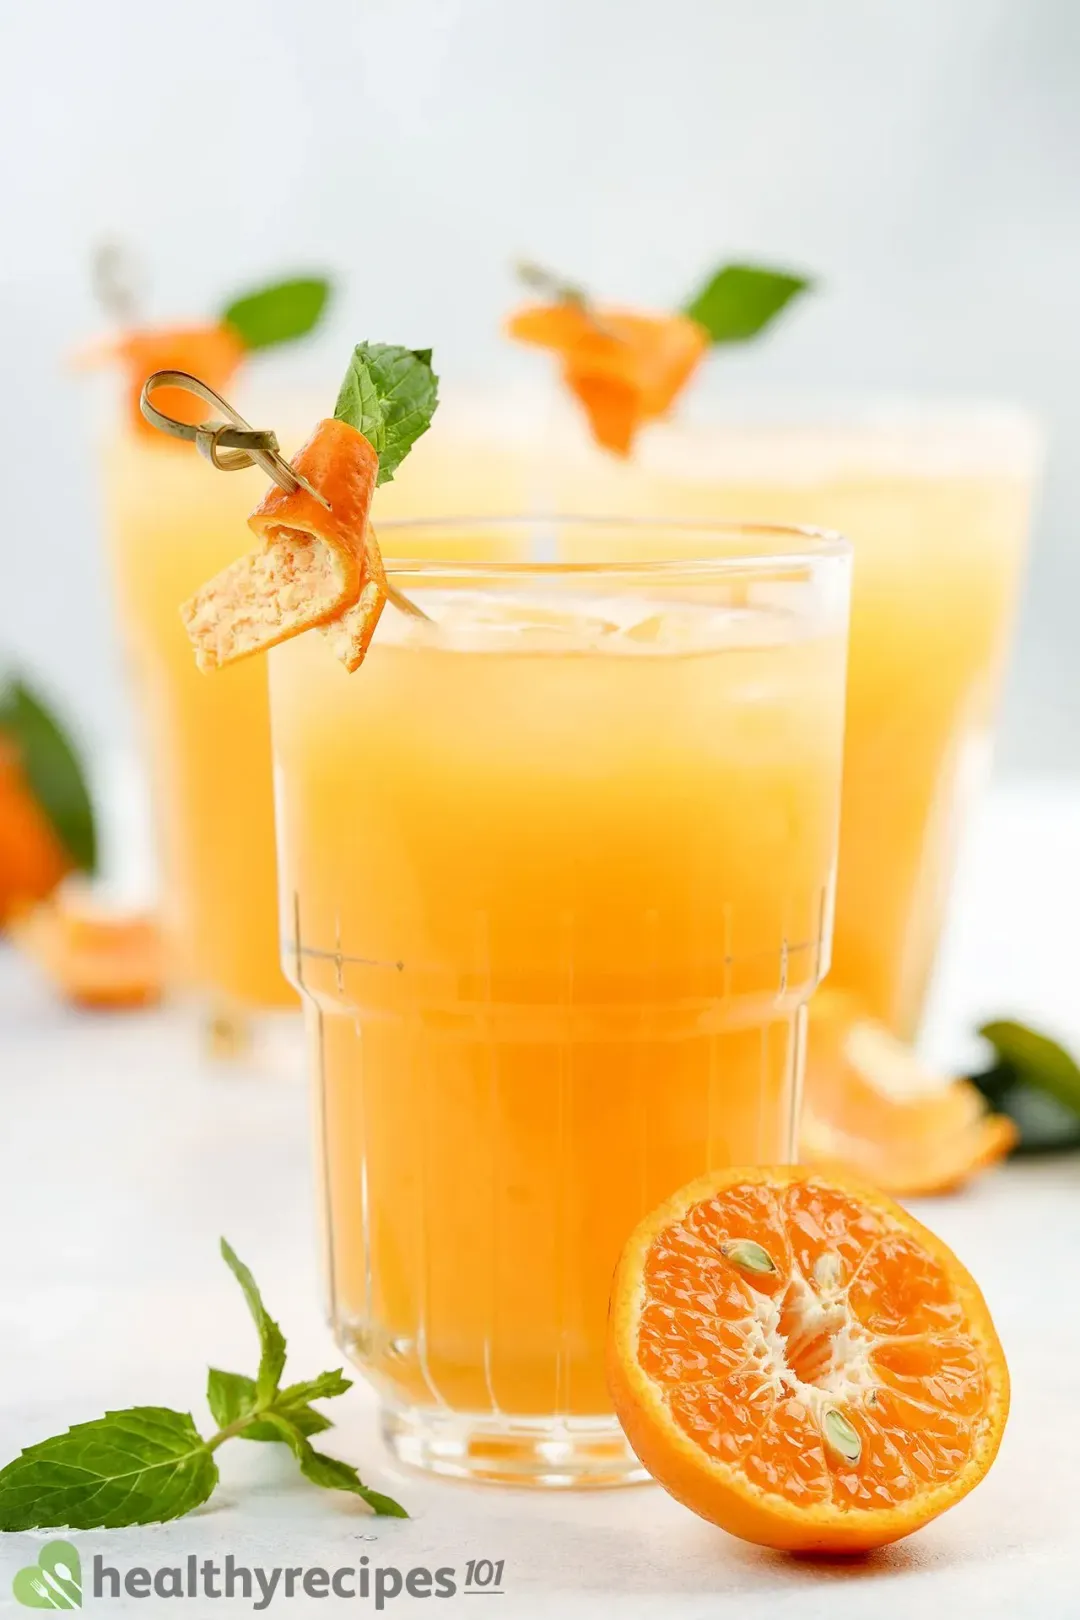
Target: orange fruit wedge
{"points": [[211, 351], [32, 858], [870, 1104], [799, 1361], [92, 955], [625, 367], [316, 560]]}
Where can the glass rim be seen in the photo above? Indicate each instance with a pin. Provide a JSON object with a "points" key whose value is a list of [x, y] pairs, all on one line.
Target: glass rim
{"points": [[811, 545]]}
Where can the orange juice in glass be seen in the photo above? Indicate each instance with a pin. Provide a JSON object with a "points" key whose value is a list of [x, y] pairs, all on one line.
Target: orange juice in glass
{"points": [[171, 525], [556, 885], [936, 503]]}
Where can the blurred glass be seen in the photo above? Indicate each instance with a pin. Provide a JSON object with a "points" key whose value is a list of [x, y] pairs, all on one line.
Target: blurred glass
{"points": [[936, 501], [173, 522]]}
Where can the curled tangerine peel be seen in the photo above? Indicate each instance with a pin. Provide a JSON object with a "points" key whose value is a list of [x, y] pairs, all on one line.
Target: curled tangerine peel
{"points": [[871, 1105], [832, 1401], [316, 561], [625, 368]]}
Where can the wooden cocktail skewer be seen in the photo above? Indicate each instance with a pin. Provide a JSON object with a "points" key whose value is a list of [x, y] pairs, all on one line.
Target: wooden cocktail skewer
{"points": [[233, 444]]}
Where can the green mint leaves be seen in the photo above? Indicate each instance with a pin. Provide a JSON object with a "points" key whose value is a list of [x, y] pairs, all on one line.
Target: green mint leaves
{"points": [[1036, 1082], [150, 1464], [52, 770], [134, 1467], [330, 1472], [271, 1338], [389, 395], [231, 1396], [280, 313], [741, 300]]}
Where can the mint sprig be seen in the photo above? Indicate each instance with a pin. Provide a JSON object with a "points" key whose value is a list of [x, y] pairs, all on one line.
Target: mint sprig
{"points": [[741, 300], [149, 1463], [52, 769], [279, 313], [389, 395]]}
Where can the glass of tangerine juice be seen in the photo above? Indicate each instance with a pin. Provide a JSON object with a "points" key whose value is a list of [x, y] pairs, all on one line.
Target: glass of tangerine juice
{"points": [[207, 742], [936, 500], [556, 870]]}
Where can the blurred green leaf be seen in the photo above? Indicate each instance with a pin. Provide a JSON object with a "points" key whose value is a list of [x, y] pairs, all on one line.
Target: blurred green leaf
{"points": [[52, 769], [280, 313], [1037, 1060], [1036, 1082], [741, 300]]}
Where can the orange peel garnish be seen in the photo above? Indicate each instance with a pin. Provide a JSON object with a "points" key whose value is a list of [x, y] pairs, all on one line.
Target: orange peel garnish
{"points": [[625, 367], [873, 1106], [318, 562], [349, 633], [210, 350]]}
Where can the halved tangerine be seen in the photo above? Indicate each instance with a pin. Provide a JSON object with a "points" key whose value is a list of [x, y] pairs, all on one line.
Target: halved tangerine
{"points": [[799, 1361]]}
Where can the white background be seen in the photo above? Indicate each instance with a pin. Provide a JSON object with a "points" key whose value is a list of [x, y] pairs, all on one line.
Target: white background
{"points": [[921, 158]]}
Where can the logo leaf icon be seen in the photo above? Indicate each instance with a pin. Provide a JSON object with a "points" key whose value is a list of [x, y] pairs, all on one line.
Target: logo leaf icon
{"points": [[54, 1582]]}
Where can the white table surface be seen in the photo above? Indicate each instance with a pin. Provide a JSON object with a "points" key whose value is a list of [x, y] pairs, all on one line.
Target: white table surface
{"points": [[123, 1157]]}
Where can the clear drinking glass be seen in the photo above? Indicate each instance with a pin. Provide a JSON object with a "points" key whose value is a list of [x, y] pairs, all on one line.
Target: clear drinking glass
{"points": [[936, 501], [556, 877]]}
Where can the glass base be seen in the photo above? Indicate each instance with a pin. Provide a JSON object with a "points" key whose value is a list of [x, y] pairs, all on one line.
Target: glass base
{"points": [[236, 1037], [553, 1453]]}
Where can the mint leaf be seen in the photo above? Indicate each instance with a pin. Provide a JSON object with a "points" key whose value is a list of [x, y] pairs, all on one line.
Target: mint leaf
{"points": [[389, 395], [358, 404], [304, 1418], [740, 300], [149, 1464], [280, 313], [331, 1473], [141, 1466], [232, 1397], [323, 1388], [52, 770], [271, 1338]]}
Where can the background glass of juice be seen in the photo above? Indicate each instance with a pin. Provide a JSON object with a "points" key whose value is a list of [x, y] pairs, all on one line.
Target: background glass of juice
{"points": [[936, 503], [556, 884], [174, 522]]}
